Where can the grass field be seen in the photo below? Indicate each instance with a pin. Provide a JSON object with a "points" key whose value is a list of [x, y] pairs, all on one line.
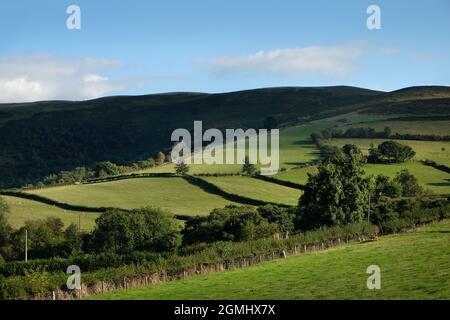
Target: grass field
{"points": [[256, 189], [425, 127], [22, 210], [438, 151], [296, 148], [173, 194], [297, 175], [413, 266], [428, 177]]}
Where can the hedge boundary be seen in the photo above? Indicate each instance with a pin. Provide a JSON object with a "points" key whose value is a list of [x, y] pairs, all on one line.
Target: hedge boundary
{"points": [[213, 189], [289, 184]]}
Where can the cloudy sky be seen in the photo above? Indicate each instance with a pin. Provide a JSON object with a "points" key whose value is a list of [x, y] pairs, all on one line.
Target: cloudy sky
{"points": [[141, 47]]}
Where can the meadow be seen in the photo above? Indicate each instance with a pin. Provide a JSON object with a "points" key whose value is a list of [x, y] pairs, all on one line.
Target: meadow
{"points": [[22, 210], [256, 189], [413, 266], [173, 194], [438, 151], [428, 177], [423, 127]]}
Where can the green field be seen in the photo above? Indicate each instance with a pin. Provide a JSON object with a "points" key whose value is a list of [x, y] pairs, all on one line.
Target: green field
{"points": [[296, 148], [438, 151], [424, 127], [428, 177], [22, 210], [297, 175], [413, 266], [173, 194], [256, 189]]}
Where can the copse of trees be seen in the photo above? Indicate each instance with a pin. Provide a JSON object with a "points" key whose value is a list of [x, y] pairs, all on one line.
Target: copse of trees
{"points": [[390, 152], [231, 223], [145, 229], [102, 169]]}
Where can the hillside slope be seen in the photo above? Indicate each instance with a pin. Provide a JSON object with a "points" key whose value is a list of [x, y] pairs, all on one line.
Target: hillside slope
{"points": [[40, 138]]}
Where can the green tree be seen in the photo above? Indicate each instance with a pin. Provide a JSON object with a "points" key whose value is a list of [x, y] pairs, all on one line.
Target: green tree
{"points": [[395, 152], [387, 187], [106, 168], [248, 168], [409, 184], [231, 223], [283, 217], [181, 168], [337, 194], [45, 239], [145, 229]]}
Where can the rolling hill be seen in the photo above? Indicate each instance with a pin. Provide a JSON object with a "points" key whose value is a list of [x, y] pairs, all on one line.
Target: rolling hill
{"points": [[37, 139]]}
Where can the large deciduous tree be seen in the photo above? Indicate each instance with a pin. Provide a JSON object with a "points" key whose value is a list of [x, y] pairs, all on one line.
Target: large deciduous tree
{"points": [[337, 194]]}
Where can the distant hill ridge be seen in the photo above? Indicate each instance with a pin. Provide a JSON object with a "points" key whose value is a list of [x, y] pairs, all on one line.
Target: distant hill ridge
{"points": [[40, 138]]}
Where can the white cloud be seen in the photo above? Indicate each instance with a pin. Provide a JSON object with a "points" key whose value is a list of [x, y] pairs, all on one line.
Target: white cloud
{"points": [[46, 77], [324, 60]]}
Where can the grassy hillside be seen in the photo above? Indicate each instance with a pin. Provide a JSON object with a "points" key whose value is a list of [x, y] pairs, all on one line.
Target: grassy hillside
{"points": [[438, 151], [413, 266], [428, 177], [22, 210], [256, 189], [173, 194], [46, 137]]}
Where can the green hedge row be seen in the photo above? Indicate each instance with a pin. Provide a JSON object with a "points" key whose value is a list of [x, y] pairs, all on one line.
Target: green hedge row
{"points": [[212, 188], [280, 182], [52, 202], [207, 253]]}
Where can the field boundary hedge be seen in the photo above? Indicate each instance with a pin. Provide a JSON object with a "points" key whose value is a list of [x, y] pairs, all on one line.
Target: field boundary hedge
{"points": [[131, 176], [280, 182], [52, 202], [71, 207], [436, 165], [149, 268], [213, 189]]}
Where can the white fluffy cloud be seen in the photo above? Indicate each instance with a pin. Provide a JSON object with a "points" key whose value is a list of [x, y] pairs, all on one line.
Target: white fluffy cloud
{"points": [[46, 77], [323, 60]]}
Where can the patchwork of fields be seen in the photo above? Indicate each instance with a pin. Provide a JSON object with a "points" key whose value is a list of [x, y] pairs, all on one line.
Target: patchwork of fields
{"points": [[413, 266], [296, 149]]}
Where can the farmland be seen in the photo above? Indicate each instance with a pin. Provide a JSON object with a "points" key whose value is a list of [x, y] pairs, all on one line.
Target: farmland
{"points": [[413, 266], [173, 194], [22, 210], [438, 151], [430, 178], [256, 189]]}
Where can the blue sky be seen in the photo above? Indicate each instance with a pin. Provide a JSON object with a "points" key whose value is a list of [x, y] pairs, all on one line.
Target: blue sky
{"points": [[141, 47]]}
